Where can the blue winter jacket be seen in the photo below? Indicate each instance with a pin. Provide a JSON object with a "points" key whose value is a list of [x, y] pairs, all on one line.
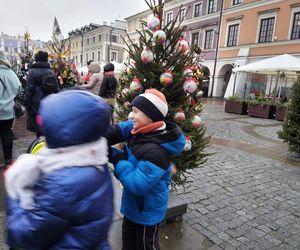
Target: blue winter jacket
{"points": [[73, 205], [146, 172]]}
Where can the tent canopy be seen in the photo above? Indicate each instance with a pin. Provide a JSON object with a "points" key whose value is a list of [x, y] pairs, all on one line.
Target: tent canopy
{"points": [[282, 63]]}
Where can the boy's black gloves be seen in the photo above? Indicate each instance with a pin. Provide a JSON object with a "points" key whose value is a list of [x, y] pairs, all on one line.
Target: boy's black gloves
{"points": [[118, 157]]}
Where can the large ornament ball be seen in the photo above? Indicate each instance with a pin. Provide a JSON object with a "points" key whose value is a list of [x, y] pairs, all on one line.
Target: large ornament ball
{"points": [[135, 86], [188, 72], [179, 116], [166, 78], [196, 121], [159, 37], [182, 46], [147, 56], [188, 144], [153, 22], [190, 86]]}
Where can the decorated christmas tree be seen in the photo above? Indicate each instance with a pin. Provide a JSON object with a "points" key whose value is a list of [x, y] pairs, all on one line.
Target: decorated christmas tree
{"points": [[290, 132], [164, 60], [59, 52]]}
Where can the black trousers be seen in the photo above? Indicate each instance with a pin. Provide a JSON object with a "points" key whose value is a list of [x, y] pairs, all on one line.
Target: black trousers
{"points": [[6, 138], [139, 237]]}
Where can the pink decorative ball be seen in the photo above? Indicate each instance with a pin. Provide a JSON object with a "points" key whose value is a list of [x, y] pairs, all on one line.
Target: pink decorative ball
{"points": [[182, 46], [190, 85], [196, 121], [147, 56], [159, 37], [153, 22], [179, 116], [188, 72], [135, 86], [166, 78]]}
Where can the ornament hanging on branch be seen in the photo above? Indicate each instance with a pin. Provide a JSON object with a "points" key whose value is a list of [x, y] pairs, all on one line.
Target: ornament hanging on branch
{"points": [[188, 72], [196, 121], [179, 116], [147, 56], [166, 78], [135, 86], [159, 37], [182, 46], [188, 144], [153, 22], [190, 85]]}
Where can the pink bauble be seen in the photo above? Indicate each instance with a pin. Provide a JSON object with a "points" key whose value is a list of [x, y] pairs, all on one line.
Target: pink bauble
{"points": [[179, 116], [182, 46], [153, 22], [196, 121], [159, 37], [166, 78], [135, 86], [147, 56], [190, 86]]}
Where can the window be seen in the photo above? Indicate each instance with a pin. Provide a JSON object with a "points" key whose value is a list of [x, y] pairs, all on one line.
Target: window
{"points": [[99, 38], [235, 2], [169, 17], [296, 26], [208, 39], [195, 37], [94, 39], [233, 31], [198, 10], [266, 30], [212, 6], [113, 38], [76, 45], [93, 56], [181, 14], [86, 57], [99, 55], [80, 58], [113, 56], [6, 49], [88, 41]]}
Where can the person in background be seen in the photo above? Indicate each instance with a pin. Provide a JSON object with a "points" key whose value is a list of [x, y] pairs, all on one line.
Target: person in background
{"points": [[108, 86], [62, 197], [144, 168], [93, 85], [34, 91], [87, 77], [9, 87]]}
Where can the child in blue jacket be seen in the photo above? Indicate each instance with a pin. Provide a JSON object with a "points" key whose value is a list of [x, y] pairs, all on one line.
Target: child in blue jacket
{"points": [[62, 197], [146, 171]]}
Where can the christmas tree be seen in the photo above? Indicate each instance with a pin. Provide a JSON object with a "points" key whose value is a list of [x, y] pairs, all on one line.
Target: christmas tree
{"points": [[59, 52], [163, 60], [290, 132]]}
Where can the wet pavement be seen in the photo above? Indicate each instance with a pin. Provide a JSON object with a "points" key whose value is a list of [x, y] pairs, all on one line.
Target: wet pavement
{"points": [[246, 196]]}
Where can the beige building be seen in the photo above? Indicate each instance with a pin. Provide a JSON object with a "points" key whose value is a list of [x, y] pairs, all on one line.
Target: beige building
{"points": [[134, 24], [100, 43], [252, 30]]}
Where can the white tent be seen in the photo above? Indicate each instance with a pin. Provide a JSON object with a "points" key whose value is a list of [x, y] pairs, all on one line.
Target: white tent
{"points": [[287, 64], [283, 63]]}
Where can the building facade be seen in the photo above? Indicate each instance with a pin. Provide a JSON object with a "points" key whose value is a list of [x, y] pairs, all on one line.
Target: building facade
{"points": [[100, 43], [252, 30]]}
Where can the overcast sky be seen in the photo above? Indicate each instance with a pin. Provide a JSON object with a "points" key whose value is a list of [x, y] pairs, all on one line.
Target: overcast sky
{"points": [[37, 16]]}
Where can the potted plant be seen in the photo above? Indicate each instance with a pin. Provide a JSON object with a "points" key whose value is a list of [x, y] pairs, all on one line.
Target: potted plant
{"points": [[235, 105], [261, 107], [281, 108]]}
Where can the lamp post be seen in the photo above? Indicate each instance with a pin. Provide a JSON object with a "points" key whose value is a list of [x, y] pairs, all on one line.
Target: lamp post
{"points": [[217, 49]]}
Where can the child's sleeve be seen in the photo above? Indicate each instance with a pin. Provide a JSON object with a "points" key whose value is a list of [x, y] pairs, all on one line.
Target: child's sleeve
{"points": [[120, 132]]}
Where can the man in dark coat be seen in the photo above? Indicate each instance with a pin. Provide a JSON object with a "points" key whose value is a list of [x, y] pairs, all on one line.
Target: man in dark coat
{"points": [[109, 82], [34, 91]]}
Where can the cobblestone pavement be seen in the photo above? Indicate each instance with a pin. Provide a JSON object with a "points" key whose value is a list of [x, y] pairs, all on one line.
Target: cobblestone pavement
{"points": [[247, 195]]}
